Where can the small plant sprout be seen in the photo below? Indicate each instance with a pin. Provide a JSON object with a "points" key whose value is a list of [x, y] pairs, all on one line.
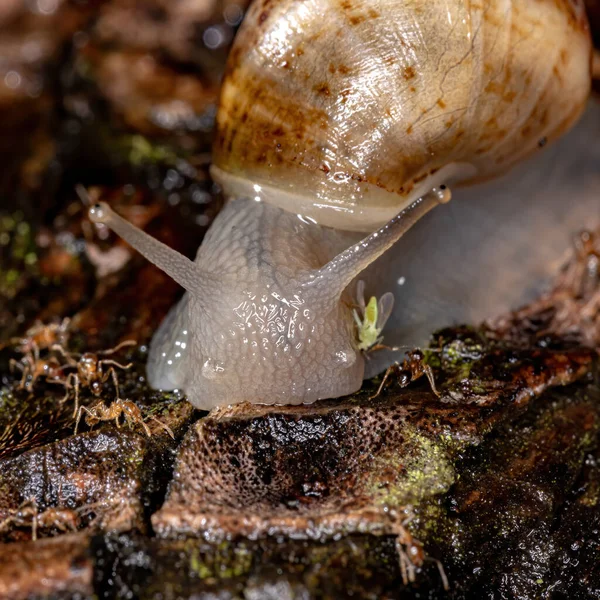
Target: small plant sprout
{"points": [[372, 318]]}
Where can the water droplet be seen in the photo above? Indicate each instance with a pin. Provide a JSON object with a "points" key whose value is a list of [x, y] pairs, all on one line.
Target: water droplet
{"points": [[212, 369], [12, 80], [233, 14], [213, 37], [341, 357], [47, 7]]}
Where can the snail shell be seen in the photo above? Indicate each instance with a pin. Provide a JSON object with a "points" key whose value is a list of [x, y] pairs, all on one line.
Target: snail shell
{"points": [[337, 118], [346, 110]]}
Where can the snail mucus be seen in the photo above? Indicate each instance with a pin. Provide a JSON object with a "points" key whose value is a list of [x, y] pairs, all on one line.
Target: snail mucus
{"points": [[341, 125]]}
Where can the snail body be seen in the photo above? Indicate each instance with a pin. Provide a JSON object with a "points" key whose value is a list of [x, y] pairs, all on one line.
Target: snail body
{"points": [[266, 317], [318, 142]]}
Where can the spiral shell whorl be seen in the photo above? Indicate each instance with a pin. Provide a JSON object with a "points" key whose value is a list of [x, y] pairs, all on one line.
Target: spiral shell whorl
{"points": [[352, 103]]}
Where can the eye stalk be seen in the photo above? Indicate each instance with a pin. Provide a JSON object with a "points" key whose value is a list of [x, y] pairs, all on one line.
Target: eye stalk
{"points": [[338, 273], [443, 194], [180, 268], [98, 213]]}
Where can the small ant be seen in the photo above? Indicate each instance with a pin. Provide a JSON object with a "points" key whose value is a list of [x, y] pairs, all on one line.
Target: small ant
{"points": [[42, 337], [131, 413], [411, 553], [32, 368], [90, 370], [27, 515], [410, 370], [37, 338]]}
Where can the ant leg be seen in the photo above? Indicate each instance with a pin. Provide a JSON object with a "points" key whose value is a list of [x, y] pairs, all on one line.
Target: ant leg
{"points": [[115, 379], [65, 324], [79, 413], [34, 377], [441, 571], [133, 415], [15, 364], [165, 427], [77, 420], [118, 347], [146, 428], [383, 381], [404, 563], [34, 521], [24, 384], [68, 356], [379, 346], [76, 386], [429, 373], [65, 384], [114, 363]]}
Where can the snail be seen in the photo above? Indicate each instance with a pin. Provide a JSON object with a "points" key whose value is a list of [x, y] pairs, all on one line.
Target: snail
{"points": [[341, 125]]}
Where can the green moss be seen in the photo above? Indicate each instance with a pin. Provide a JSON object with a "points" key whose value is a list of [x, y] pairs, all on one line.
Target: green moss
{"points": [[225, 561], [422, 469], [434, 527], [137, 150], [459, 355], [198, 567], [137, 457], [591, 498], [140, 151], [19, 253]]}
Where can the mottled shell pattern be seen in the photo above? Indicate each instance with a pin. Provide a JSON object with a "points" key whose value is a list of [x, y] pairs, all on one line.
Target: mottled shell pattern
{"points": [[345, 110]]}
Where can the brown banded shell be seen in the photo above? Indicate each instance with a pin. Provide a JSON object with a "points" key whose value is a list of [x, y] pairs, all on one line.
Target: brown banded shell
{"points": [[344, 110]]}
